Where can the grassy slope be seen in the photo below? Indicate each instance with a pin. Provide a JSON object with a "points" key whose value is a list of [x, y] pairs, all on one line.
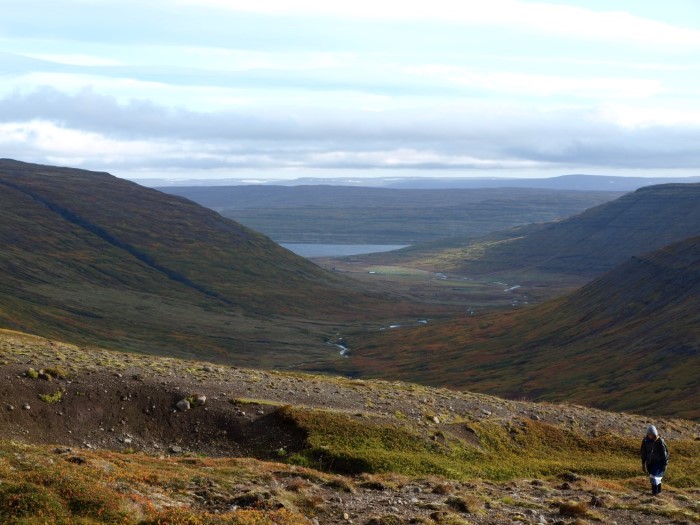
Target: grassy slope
{"points": [[350, 215], [95, 259], [469, 445], [580, 247], [627, 341]]}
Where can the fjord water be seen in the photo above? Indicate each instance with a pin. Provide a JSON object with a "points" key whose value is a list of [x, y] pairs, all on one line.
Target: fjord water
{"points": [[339, 250]]}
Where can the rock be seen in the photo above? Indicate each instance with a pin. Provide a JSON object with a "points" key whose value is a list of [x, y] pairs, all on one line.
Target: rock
{"points": [[199, 400], [10, 407], [570, 476], [26, 406], [175, 449], [597, 501], [346, 516], [436, 420], [183, 405]]}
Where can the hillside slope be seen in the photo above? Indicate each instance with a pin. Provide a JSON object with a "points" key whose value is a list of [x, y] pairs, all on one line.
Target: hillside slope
{"points": [[361, 215], [629, 340], [578, 247], [92, 258], [96, 436]]}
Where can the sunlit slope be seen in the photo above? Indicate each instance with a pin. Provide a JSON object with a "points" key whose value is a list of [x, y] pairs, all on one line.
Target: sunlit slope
{"points": [[629, 340], [94, 258], [582, 246], [106, 437]]}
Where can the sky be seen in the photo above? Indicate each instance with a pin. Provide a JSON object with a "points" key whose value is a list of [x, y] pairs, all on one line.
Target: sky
{"points": [[272, 89]]}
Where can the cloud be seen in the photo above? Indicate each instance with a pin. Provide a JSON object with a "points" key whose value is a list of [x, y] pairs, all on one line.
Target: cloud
{"points": [[542, 17], [88, 128]]}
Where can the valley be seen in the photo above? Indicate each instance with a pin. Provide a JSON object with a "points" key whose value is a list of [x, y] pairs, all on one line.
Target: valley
{"points": [[163, 364]]}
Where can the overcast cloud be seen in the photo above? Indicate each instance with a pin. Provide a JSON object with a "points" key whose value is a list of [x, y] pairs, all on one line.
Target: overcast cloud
{"points": [[226, 88]]}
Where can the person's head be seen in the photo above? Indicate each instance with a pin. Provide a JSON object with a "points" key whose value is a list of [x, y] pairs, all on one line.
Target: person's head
{"points": [[652, 433]]}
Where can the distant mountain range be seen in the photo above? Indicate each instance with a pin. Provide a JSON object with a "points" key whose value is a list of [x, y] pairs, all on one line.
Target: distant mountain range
{"points": [[562, 182], [579, 247], [629, 340], [91, 258], [359, 215]]}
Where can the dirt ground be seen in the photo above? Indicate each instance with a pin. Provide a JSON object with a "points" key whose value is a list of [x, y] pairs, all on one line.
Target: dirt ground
{"points": [[132, 407]]}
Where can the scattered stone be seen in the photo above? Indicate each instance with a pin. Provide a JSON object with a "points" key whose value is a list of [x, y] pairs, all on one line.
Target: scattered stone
{"points": [[436, 420], [175, 449], [26, 406], [570, 476], [597, 501], [183, 405], [10, 407], [199, 400]]}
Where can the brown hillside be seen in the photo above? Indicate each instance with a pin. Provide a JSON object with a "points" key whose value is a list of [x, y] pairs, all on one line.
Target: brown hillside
{"points": [[96, 437], [94, 259], [627, 341]]}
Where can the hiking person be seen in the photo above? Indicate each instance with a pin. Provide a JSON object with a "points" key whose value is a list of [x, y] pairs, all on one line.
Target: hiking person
{"points": [[654, 458]]}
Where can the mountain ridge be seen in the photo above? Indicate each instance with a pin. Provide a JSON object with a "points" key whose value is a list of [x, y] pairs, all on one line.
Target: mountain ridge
{"points": [[95, 259], [584, 245], [360, 215]]}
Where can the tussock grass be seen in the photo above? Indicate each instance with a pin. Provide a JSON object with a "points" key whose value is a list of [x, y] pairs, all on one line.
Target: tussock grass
{"points": [[40, 486], [526, 449]]}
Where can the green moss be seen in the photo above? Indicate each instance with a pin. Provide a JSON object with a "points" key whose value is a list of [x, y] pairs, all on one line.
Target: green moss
{"points": [[56, 372], [52, 398], [344, 444]]}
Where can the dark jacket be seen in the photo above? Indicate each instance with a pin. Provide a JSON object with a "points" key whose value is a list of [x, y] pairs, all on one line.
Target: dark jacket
{"points": [[654, 454]]}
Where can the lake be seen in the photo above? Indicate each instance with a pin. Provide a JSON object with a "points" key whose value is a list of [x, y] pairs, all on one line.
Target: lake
{"points": [[339, 250]]}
